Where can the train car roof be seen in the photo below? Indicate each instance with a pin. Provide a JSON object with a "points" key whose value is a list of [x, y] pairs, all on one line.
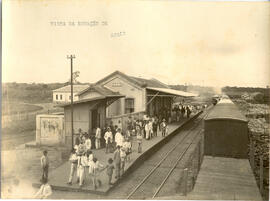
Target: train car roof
{"points": [[226, 109]]}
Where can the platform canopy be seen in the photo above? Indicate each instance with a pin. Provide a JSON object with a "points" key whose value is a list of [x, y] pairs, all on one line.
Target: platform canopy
{"points": [[172, 92], [94, 101]]}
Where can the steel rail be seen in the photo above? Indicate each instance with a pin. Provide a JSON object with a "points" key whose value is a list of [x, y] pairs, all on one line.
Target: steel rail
{"points": [[150, 173], [174, 166]]}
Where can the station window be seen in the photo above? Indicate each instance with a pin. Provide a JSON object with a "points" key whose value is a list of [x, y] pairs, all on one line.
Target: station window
{"points": [[56, 97], [116, 84], [61, 97], [129, 105]]}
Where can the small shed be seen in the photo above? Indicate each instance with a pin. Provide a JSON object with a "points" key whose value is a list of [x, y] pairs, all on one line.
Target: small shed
{"points": [[226, 131], [87, 114], [50, 129]]}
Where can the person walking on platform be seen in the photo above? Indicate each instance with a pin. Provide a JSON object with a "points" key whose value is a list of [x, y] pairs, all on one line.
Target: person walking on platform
{"points": [[44, 160], [117, 162], [74, 161], [98, 137], [163, 127], [108, 138]]}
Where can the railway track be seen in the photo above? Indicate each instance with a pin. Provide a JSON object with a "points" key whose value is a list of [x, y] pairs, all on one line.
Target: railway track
{"points": [[152, 183]]}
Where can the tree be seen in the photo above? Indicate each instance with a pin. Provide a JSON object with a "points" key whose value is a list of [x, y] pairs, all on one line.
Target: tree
{"points": [[76, 74]]}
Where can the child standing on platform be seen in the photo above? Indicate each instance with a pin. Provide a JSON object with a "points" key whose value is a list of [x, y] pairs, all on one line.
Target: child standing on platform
{"points": [[74, 161], [94, 170], [139, 138], [110, 168], [44, 160], [163, 127], [127, 147], [123, 160]]}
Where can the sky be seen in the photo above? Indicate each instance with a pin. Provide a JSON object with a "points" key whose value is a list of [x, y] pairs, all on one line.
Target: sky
{"points": [[177, 42]]}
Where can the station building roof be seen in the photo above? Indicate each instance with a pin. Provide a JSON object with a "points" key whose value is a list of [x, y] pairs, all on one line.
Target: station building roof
{"points": [[141, 82], [173, 92]]}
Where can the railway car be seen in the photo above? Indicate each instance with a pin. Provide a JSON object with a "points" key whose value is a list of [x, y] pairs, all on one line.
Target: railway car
{"points": [[226, 131]]}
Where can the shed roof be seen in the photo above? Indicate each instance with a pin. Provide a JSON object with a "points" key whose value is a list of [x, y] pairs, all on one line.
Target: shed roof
{"points": [[76, 88], [173, 92], [89, 100], [226, 109]]}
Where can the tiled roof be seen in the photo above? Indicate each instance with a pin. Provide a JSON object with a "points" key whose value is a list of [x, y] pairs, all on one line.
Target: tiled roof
{"points": [[89, 100], [76, 88], [102, 90], [136, 80], [150, 82]]}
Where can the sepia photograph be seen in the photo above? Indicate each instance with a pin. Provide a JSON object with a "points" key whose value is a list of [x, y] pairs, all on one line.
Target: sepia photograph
{"points": [[135, 100]]}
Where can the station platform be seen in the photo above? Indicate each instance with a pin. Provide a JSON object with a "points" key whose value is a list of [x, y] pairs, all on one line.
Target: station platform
{"points": [[223, 179], [58, 177]]}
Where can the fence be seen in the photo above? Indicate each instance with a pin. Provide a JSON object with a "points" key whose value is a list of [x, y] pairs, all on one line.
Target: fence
{"points": [[258, 170], [20, 116]]}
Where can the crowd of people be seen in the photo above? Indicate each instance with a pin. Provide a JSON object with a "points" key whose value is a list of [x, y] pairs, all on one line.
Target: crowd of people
{"points": [[182, 111], [115, 140]]}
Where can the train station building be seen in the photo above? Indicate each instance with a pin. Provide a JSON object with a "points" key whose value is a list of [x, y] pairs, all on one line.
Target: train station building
{"points": [[141, 96], [114, 99]]}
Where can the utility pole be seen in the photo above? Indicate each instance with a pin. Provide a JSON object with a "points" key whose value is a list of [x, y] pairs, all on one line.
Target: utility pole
{"points": [[71, 57]]}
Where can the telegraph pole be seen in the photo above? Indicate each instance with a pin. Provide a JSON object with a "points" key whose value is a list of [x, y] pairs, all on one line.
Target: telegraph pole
{"points": [[71, 57]]}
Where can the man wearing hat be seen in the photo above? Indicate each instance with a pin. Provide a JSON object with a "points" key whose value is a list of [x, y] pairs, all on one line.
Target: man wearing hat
{"points": [[108, 138]]}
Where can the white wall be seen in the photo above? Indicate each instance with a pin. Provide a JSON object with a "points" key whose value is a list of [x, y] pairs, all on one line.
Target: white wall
{"points": [[65, 97], [124, 87]]}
